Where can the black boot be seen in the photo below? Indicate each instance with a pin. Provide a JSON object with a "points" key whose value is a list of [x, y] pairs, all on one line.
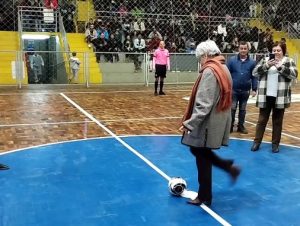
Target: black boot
{"points": [[197, 202], [155, 88], [275, 148], [161, 85], [232, 119], [255, 146], [231, 128], [242, 129]]}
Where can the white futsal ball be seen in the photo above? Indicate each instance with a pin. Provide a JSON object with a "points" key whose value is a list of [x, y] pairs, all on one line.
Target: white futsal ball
{"points": [[177, 186]]}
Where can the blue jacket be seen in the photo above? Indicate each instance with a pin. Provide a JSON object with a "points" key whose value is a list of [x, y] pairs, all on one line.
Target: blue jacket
{"points": [[241, 73]]}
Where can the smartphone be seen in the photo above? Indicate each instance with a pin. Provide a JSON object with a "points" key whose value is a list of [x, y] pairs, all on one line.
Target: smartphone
{"points": [[271, 56]]}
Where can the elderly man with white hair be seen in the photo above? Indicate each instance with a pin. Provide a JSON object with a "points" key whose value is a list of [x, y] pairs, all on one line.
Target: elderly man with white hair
{"points": [[206, 122]]}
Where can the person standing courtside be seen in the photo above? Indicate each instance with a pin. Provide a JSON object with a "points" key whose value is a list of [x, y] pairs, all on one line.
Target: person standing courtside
{"points": [[275, 77], [241, 67], [75, 65], [161, 63], [207, 119], [37, 65]]}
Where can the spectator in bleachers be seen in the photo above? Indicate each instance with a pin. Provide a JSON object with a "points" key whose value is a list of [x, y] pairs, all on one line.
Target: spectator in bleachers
{"points": [[254, 37], [115, 24], [252, 48], [139, 26], [228, 49], [119, 38], [137, 12], [68, 11], [123, 11], [139, 46], [114, 5], [155, 32], [113, 47], [221, 34], [51, 4], [235, 44], [269, 39], [128, 47], [101, 46], [173, 48], [190, 45], [181, 44], [90, 22], [91, 35], [153, 42], [126, 27], [102, 29]]}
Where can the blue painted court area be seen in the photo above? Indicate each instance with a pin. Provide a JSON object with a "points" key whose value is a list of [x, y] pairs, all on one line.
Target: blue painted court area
{"points": [[100, 182]]}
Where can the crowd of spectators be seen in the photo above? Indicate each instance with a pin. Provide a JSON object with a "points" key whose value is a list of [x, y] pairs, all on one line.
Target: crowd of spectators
{"points": [[181, 34], [181, 24]]}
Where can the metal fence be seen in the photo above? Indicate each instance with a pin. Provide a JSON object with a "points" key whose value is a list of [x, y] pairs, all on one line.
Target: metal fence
{"points": [[181, 24], [189, 16], [46, 67]]}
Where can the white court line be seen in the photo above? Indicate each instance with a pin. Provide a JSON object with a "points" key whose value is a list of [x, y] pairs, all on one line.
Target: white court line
{"points": [[91, 92], [91, 117], [42, 123], [284, 112], [142, 119], [283, 133], [267, 128], [123, 136]]}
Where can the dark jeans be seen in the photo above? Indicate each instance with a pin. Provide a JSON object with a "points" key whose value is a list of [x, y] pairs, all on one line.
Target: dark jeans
{"points": [[205, 158], [239, 97], [277, 120]]}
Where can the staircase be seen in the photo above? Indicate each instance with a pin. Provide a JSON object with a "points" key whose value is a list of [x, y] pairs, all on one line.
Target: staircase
{"points": [[78, 44], [85, 12], [9, 45]]}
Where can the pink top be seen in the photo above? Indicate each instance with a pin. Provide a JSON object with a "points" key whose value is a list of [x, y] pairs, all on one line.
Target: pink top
{"points": [[161, 57]]}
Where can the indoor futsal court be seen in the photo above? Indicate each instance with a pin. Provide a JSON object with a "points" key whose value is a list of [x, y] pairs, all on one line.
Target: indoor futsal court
{"points": [[103, 156]]}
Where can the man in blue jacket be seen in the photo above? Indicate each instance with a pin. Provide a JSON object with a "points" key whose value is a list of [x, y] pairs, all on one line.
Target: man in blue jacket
{"points": [[244, 83]]}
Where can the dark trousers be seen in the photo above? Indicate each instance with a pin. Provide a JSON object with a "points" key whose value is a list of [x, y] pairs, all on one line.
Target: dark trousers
{"points": [[239, 98], [205, 158], [277, 120]]}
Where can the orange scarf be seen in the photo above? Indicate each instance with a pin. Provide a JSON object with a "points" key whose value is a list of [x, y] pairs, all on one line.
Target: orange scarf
{"points": [[216, 65]]}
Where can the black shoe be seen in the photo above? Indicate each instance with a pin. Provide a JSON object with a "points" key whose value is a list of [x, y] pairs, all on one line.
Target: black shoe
{"points": [[255, 146], [3, 167], [161, 93], [234, 172], [155, 93], [197, 202], [275, 148], [242, 129]]}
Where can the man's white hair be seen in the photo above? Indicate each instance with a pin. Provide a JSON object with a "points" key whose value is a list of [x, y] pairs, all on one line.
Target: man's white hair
{"points": [[208, 47]]}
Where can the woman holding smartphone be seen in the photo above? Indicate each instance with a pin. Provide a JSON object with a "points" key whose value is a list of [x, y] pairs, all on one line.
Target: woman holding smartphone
{"points": [[275, 75]]}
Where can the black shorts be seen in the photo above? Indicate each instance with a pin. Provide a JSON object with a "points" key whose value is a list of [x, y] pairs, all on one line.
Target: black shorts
{"points": [[160, 70]]}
